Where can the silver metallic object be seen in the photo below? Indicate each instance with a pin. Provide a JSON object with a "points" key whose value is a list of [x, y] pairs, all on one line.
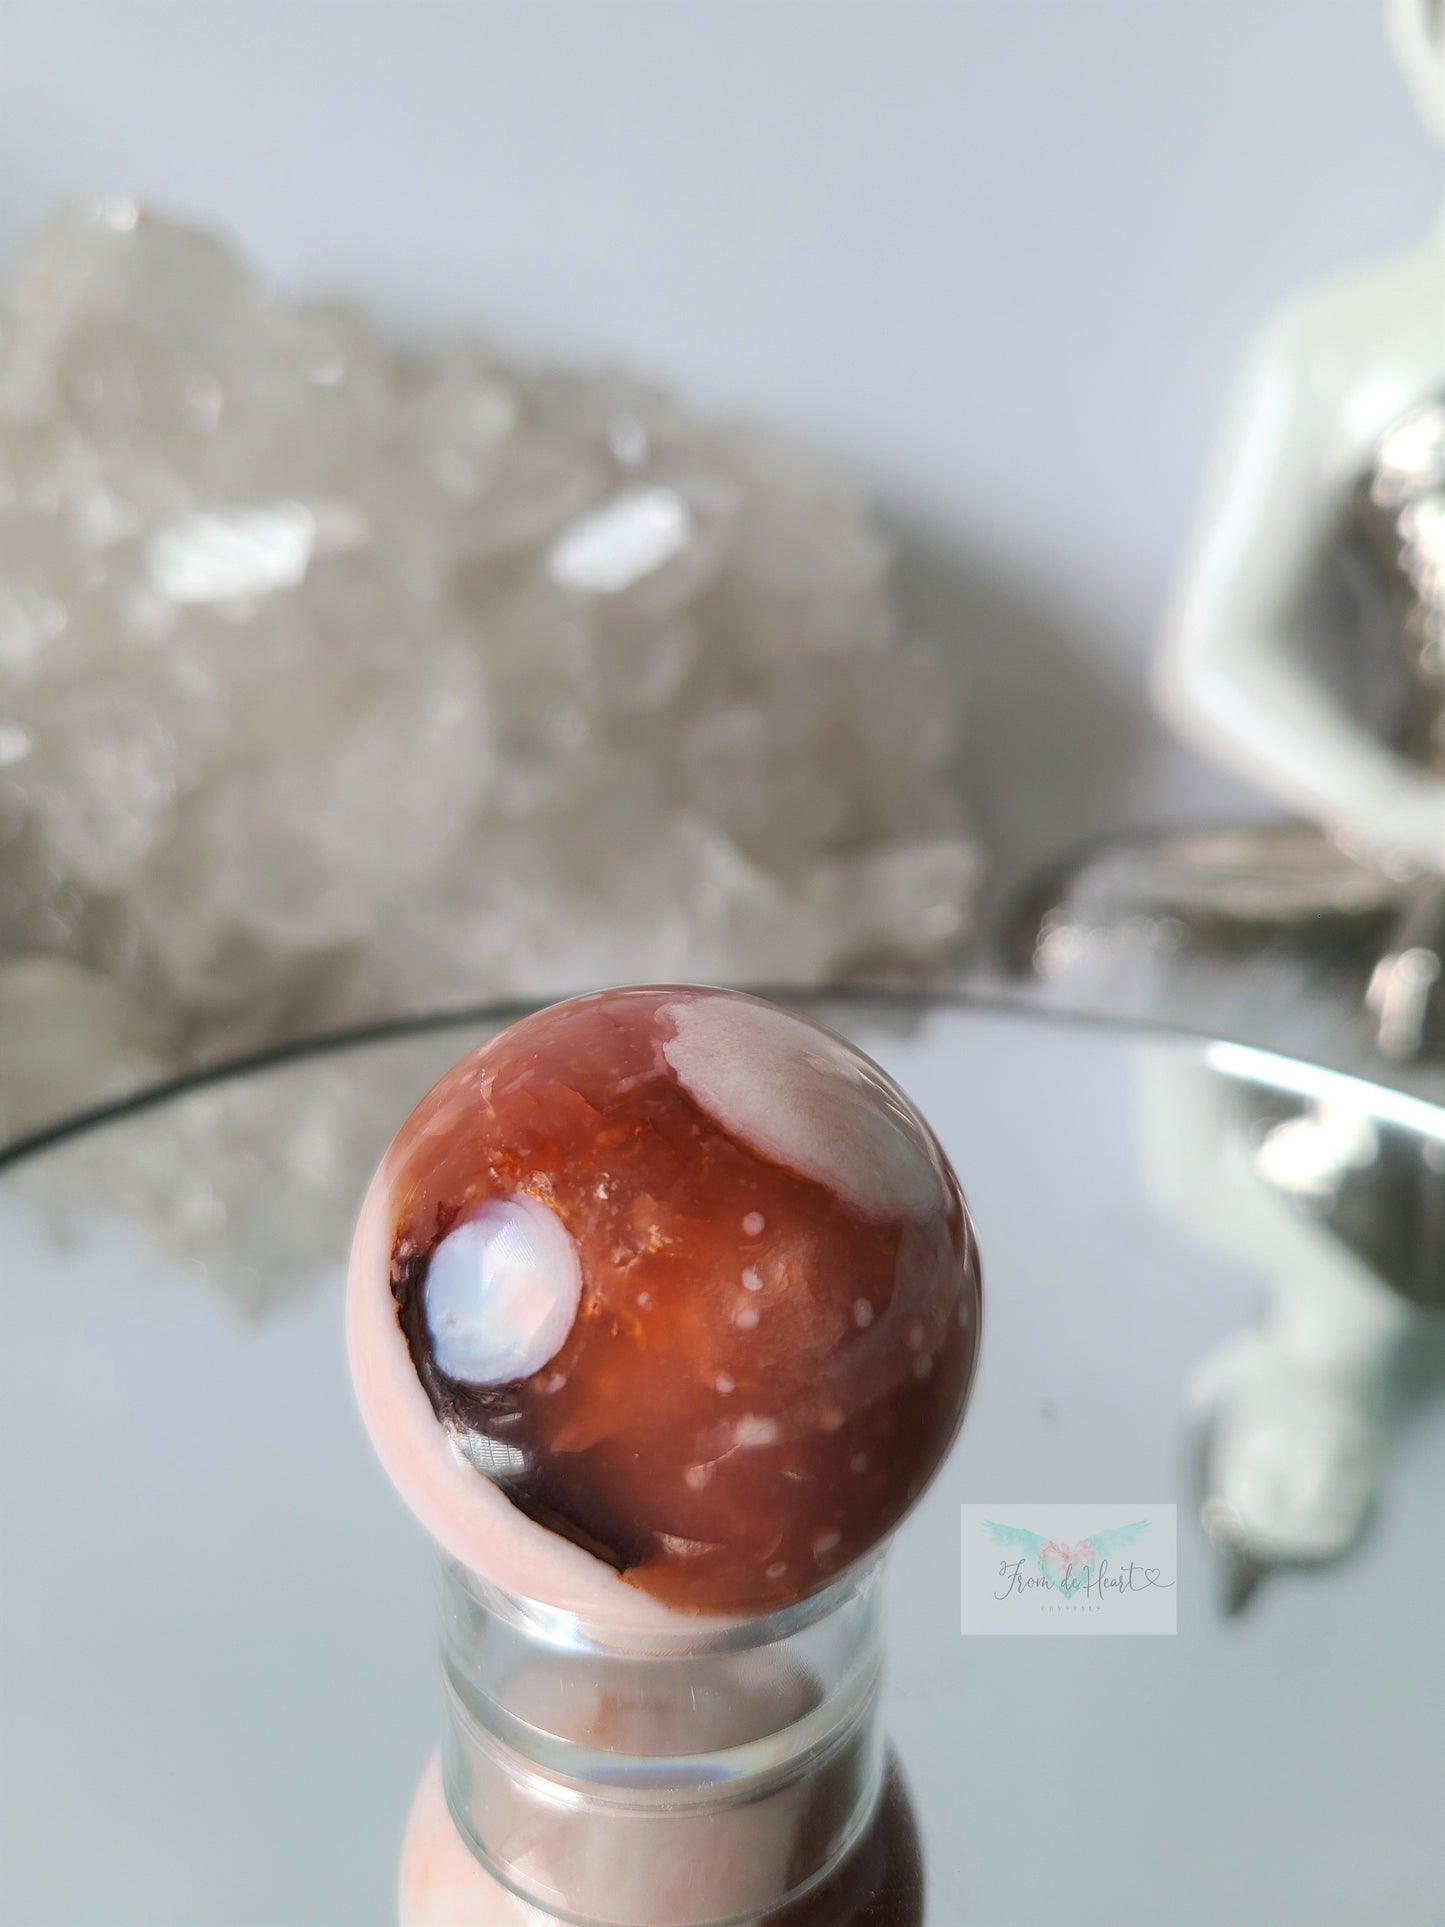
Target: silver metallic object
{"points": [[1301, 952], [1274, 933]]}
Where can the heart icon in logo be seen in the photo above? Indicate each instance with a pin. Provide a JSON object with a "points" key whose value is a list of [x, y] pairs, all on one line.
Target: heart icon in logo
{"points": [[1059, 1559]]}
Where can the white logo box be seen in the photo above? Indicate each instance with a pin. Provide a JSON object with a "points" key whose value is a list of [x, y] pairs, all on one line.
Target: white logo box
{"points": [[1086, 1569]]}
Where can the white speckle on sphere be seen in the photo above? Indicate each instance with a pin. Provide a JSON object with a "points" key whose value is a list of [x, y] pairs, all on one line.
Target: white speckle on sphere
{"points": [[746, 1318], [825, 1542], [752, 1280], [860, 1462], [756, 1431], [777, 1569], [725, 1384], [862, 1314], [501, 1292], [755, 1224]]}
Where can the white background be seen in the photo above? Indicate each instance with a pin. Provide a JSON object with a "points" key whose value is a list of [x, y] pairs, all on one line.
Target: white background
{"points": [[1000, 257]]}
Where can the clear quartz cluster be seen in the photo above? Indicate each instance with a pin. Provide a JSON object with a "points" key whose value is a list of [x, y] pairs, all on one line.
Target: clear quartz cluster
{"points": [[336, 681]]}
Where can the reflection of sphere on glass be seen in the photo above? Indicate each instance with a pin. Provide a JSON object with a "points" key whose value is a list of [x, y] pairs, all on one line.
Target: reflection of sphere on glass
{"points": [[685, 1277], [878, 1883]]}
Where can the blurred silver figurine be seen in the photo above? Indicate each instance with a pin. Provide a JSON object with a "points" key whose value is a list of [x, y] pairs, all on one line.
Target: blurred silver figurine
{"points": [[1306, 647]]}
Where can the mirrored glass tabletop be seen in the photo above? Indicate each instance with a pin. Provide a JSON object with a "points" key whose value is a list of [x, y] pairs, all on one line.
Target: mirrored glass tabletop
{"points": [[217, 1683]]}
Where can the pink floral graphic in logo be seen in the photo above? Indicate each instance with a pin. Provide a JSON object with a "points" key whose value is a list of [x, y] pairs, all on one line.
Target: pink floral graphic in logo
{"points": [[1061, 1559]]}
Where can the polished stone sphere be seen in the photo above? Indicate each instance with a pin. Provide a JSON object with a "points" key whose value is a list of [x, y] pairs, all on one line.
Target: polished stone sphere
{"points": [[689, 1280]]}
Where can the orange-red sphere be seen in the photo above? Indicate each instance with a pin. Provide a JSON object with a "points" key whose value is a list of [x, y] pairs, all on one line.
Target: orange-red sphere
{"points": [[689, 1278]]}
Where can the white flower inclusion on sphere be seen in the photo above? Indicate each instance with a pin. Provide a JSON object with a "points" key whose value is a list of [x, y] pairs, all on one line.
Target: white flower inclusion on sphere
{"points": [[501, 1292]]}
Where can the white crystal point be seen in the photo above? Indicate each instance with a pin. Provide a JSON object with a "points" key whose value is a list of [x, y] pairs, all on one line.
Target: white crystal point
{"points": [[627, 538], [221, 558], [501, 1292]]}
